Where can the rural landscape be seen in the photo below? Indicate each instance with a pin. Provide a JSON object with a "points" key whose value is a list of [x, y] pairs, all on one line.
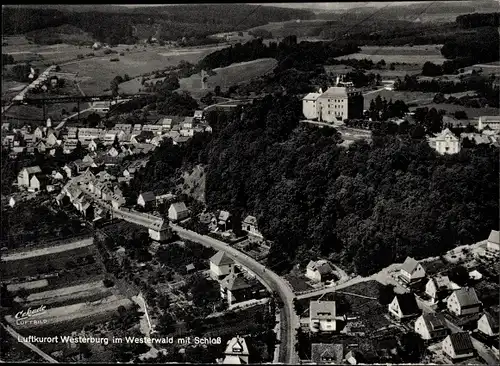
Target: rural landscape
{"points": [[292, 183]]}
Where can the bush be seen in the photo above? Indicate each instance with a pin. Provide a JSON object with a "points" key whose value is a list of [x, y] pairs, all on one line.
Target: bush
{"points": [[108, 283]]}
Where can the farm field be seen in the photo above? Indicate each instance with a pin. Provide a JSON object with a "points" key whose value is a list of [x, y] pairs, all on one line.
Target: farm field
{"points": [[33, 266], [94, 290], [89, 312], [405, 96], [101, 71], [31, 285], [48, 250], [471, 112], [403, 54], [230, 75]]}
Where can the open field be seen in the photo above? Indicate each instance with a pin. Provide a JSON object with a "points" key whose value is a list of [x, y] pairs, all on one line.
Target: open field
{"points": [[89, 312], [31, 285], [405, 96], [36, 265], [230, 75], [473, 113], [49, 250], [134, 63], [87, 291], [402, 54]]}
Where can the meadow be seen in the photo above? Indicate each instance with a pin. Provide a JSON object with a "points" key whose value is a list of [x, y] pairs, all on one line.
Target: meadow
{"points": [[402, 54], [228, 76]]}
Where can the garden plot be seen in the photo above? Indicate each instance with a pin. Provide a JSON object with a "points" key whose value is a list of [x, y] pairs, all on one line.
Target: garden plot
{"points": [[90, 312], [83, 291], [48, 250]]}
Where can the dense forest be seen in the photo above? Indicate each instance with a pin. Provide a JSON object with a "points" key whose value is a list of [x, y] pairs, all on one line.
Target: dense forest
{"points": [[365, 206], [175, 22], [289, 53]]}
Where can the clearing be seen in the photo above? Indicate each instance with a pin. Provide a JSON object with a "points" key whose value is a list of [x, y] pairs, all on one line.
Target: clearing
{"points": [[401, 54], [405, 96], [82, 291], [134, 62], [231, 75], [31, 285], [48, 250]]}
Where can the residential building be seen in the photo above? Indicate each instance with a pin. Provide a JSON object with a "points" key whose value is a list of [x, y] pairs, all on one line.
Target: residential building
{"points": [[160, 230], [236, 352], [327, 354], [338, 103], [322, 316], [411, 271], [430, 326], [458, 346], [494, 240], [224, 221], [177, 211], [37, 183], [146, 199], [319, 271], [492, 122], [438, 287], [235, 288], [404, 306], [464, 302], [198, 115], [38, 133], [25, 175], [488, 324], [251, 227], [445, 143], [220, 265], [117, 200], [310, 106]]}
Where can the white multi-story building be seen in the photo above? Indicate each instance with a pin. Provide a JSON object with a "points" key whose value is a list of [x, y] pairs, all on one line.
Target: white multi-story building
{"points": [[310, 107], [322, 316], [445, 143]]}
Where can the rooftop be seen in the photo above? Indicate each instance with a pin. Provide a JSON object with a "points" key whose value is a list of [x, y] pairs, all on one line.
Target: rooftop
{"points": [[327, 353], [461, 341], [322, 309], [466, 296], [221, 258]]}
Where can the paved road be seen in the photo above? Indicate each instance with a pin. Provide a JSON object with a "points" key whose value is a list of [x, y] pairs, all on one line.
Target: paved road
{"points": [[274, 281], [31, 346]]}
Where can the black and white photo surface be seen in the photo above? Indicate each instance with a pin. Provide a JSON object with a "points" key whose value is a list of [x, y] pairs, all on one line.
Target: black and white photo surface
{"points": [[251, 183]]}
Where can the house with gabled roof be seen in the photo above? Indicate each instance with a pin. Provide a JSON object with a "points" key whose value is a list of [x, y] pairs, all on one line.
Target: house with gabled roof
{"points": [[220, 265], [494, 240], [177, 211], [411, 271], [327, 354], [236, 352], [446, 142], [488, 324], [224, 221], [322, 316], [25, 175], [146, 199], [458, 346], [438, 287], [251, 227], [464, 302], [404, 306], [431, 326], [319, 270], [235, 288]]}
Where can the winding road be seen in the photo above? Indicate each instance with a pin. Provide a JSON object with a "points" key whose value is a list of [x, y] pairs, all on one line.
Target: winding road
{"points": [[275, 282]]}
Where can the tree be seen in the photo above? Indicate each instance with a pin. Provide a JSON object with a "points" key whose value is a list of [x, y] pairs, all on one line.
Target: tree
{"points": [[385, 294], [460, 275], [93, 120], [165, 324], [412, 347], [217, 90], [460, 115]]}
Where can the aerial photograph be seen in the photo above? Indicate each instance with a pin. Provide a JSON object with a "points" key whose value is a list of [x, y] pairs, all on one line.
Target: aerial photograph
{"points": [[251, 183]]}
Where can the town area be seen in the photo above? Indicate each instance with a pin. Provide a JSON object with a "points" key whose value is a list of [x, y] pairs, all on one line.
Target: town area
{"points": [[251, 184]]}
